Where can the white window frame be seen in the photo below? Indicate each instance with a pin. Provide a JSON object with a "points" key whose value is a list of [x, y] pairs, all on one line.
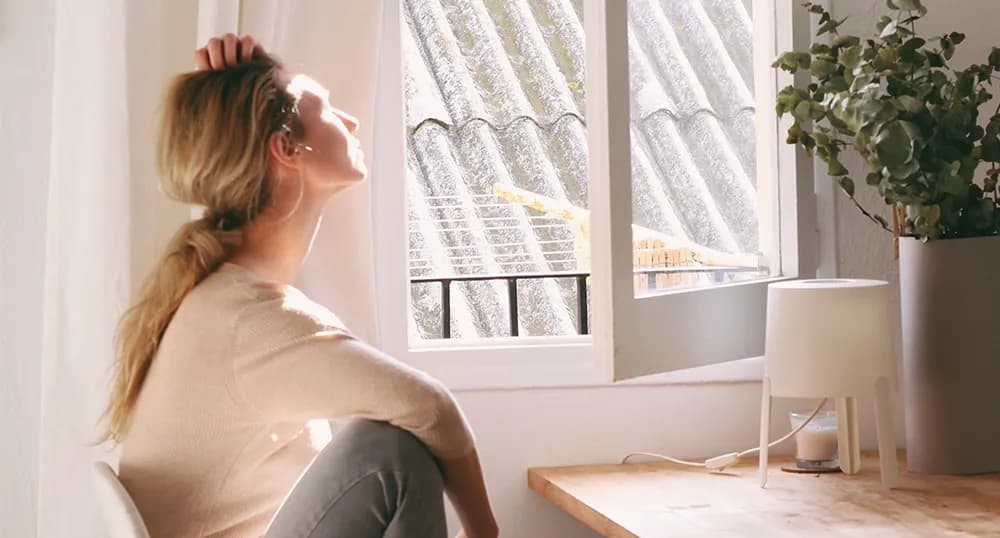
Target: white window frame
{"points": [[580, 360]]}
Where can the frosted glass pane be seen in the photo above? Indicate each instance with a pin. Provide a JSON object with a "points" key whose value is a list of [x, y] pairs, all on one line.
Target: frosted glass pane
{"points": [[693, 144], [497, 151]]}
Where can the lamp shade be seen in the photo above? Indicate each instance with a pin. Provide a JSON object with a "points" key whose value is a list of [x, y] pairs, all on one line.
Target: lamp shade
{"points": [[828, 337]]}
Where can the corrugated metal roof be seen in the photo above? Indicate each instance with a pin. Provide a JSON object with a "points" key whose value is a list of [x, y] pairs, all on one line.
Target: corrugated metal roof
{"points": [[494, 94]]}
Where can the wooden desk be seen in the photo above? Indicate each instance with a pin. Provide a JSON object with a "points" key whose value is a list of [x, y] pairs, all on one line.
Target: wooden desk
{"points": [[659, 499]]}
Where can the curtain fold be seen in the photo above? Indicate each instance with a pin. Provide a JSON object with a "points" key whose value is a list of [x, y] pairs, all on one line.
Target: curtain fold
{"points": [[86, 276]]}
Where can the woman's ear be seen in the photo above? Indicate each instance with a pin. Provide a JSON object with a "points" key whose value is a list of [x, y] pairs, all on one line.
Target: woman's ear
{"points": [[283, 152]]}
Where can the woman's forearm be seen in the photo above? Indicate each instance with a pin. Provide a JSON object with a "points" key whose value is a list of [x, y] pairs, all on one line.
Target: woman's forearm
{"points": [[463, 481]]}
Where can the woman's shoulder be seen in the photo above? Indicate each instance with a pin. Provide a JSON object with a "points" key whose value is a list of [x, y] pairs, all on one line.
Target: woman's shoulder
{"points": [[276, 312]]}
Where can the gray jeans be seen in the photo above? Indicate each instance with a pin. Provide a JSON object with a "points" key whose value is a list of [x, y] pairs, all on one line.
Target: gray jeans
{"points": [[371, 480]]}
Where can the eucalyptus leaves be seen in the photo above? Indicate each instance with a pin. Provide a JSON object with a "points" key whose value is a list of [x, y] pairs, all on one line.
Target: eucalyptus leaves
{"points": [[914, 120]]}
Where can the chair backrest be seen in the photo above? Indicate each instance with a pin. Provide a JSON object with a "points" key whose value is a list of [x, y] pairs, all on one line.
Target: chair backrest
{"points": [[119, 512]]}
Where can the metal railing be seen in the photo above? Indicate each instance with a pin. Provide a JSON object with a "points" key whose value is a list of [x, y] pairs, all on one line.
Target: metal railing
{"points": [[717, 274]]}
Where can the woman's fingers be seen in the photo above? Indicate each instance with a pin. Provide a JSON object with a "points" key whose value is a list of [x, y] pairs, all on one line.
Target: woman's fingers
{"points": [[215, 59], [247, 46], [201, 62], [226, 51], [229, 49]]}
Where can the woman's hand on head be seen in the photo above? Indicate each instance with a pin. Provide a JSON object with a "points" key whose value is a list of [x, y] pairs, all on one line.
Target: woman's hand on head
{"points": [[226, 51]]}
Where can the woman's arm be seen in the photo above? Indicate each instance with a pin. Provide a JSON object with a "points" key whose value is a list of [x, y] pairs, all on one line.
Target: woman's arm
{"points": [[288, 366], [463, 481], [335, 376]]}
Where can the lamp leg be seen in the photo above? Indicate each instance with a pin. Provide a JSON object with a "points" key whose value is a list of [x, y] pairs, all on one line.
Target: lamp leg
{"points": [[848, 437], [765, 428], [886, 435]]}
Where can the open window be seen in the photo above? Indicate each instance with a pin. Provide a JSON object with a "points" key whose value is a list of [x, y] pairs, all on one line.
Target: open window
{"points": [[680, 109], [548, 169]]}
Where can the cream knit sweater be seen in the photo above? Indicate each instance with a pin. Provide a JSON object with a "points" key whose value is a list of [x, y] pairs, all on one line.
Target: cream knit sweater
{"points": [[218, 435]]}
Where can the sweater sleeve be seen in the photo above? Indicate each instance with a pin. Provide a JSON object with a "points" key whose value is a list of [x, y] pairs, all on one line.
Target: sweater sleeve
{"points": [[295, 364]]}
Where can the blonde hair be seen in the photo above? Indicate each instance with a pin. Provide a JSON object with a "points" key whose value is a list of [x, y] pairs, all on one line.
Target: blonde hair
{"points": [[212, 151]]}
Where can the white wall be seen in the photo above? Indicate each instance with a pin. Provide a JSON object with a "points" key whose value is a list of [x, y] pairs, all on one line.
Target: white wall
{"points": [[519, 429], [25, 55]]}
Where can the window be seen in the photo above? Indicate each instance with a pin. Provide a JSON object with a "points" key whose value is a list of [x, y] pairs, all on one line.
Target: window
{"points": [[655, 178], [497, 150]]}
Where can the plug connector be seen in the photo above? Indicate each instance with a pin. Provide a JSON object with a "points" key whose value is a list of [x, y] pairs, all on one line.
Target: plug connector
{"points": [[720, 463]]}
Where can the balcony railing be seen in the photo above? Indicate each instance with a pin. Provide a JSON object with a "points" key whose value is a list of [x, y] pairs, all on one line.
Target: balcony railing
{"points": [[717, 274]]}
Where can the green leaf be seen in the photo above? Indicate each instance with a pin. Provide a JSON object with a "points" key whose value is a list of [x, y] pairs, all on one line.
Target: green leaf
{"points": [[788, 61], [788, 99], [820, 49], [991, 149], [909, 103], [846, 41], [965, 85], [890, 29], [995, 59], [850, 57], [830, 26], [803, 110], [882, 23], [837, 84], [952, 184], [909, 5], [957, 37], [847, 184], [894, 143], [914, 43], [822, 69], [947, 48]]}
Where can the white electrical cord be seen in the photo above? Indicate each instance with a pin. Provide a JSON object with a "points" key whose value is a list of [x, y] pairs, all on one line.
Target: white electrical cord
{"points": [[720, 463]]}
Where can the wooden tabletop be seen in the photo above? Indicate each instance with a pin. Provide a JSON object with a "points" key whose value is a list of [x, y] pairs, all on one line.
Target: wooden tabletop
{"points": [[658, 499]]}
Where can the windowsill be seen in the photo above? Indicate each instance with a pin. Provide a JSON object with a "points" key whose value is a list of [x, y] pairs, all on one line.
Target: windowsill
{"points": [[561, 372], [749, 370]]}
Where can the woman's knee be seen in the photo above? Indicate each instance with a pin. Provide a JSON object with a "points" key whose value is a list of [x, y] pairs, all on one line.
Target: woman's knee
{"points": [[387, 448]]}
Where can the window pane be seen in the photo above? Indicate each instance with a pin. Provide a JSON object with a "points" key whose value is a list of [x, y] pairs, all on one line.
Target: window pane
{"points": [[497, 179], [694, 179], [497, 152]]}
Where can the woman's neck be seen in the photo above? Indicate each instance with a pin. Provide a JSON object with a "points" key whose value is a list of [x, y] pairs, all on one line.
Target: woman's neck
{"points": [[275, 245]]}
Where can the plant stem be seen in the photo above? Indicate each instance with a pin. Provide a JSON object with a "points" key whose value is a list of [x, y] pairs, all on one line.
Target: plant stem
{"points": [[868, 214]]}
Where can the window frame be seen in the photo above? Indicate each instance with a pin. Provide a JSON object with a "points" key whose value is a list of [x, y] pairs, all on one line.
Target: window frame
{"points": [[492, 363], [630, 333]]}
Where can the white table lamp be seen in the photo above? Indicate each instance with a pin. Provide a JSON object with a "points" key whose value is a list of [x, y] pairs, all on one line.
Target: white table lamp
{"points": [[832, 338]]}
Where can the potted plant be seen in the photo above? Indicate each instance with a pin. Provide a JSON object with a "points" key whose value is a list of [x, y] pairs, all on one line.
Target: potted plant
{"points": [[915, 121]]}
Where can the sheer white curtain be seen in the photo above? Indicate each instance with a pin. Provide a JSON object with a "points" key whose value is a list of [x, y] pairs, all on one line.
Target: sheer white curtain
{"points": [[337, 42], [87, 264]]}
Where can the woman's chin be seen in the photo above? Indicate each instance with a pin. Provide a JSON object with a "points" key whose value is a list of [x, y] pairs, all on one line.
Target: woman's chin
{"points": [[360, 171], [346, 181]]}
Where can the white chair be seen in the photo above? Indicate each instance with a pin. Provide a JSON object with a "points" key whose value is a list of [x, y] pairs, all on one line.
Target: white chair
{"points": [[119, 512]]}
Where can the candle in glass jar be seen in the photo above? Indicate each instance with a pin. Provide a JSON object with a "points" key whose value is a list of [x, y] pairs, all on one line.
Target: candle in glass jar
{"points": [[816, 444]]}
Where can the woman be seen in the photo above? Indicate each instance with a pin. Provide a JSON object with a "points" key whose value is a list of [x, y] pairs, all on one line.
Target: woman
{"points": [[221, 361]]}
